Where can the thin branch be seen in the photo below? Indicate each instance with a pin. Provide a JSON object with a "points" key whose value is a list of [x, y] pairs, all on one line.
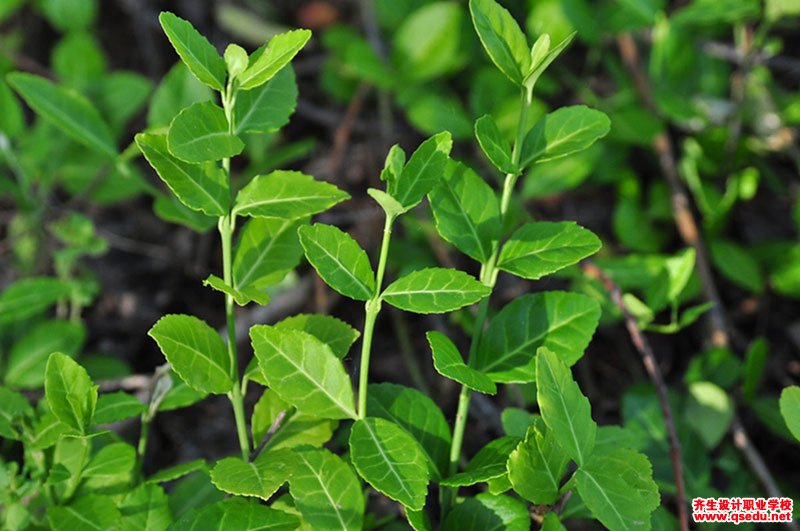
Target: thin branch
{"points": [[654, 372], [276, 424], [681, 209]]}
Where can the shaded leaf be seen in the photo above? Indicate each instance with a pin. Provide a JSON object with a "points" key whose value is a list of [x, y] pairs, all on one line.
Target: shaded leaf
{"points": [[537, 464], [790, 409], [489, 463], [488, 512], [28, 357], [92, 512], [238, 514], [27, 297], [113, 407]]}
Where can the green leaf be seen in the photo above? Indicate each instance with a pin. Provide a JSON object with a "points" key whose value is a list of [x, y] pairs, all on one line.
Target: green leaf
{"points": [[113, 407], [236, 60], [242, 296], [28, 356], [388, 203], [493, 144], [259, 478], [434, 290], [563, 132], [238, 514], [303, 371], [448, 362], [178, 90], [544, 247], [69, 391], [516, 421], [394, 164], [339, 260], [560, 321], [27, 297], [92, 512], [536, 466], [169, 208], [790, 409], [281, 49], [390, 460], [199, 133], [618, 488], [195, 351], [430, 42], [709, 411], [145, 508], [737, 265], [12, 121], [423, 170], [267, 108], [111, 466], [195, 51], [502, 38], [488, 512], [177, 471], [418, 415], [67, 110], [755, 363], [565, 410], [467, 212], [325, 490], [286, 194], [200, 188], [180, 395], [13, 407], [268, 248], [489, 463], [335, 333], [541, 59]]}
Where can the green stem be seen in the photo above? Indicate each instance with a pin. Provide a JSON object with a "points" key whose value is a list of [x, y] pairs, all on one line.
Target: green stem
{"points": [[141, 448], [227, 224], [489, 272], [372, 309]]}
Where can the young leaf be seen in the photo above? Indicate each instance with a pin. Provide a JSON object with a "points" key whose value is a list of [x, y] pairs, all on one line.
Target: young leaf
{"points": [[113, 407], [536, 466], [70, 393], [488, 512], [243, 296], [27, 297], [304, 372], [67, 110], [434, 290], [502, 38], [388, 203], [618, 488], [394, 163], [286, 194], [92, 512], [554, 319], [325, 490], [260, 478], [790, 409], [563, 132], [281, 49], [489, 463], [417, 414], [268, 248], [493, 144], [541, 58], [28, 356], [268, 108], [199, 133], [236, 60], [448, 362], [238, 514], [199, 55], [339, 260], [390, 460], [195, 351], [423, 170], [467, 212], [565, 410], [334, 332], [198, 187], [543, 247]]}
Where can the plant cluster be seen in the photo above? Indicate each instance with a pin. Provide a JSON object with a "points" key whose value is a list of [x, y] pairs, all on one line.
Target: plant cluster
{"points": [[323, 447]]}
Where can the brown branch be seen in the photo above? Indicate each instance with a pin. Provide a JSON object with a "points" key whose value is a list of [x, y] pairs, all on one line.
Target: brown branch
{"points": [[681, 209], [341, 137], [654, 372]]}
